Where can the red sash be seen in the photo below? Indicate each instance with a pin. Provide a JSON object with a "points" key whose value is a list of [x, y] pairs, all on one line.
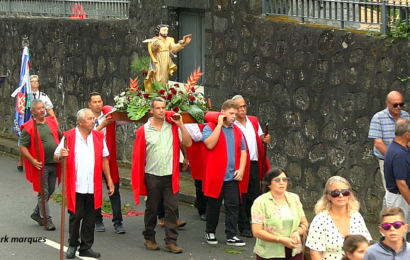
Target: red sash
{"points": [[197, 157], [31, 171], [138, 161], [255, 124], [112, 147], [98, 140], [218, 160]]}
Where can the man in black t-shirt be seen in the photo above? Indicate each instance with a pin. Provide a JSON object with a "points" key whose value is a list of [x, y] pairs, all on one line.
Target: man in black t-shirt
{"points": [[397, 169]]}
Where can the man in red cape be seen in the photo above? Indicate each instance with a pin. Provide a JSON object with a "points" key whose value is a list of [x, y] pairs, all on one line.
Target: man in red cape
{"points": [[86, 158], [254, 138], [49, 138], [155, 171], [225, 170], [106, 125]]}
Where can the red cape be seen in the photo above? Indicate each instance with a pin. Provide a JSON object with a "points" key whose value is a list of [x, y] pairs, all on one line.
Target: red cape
{"points": [[31, 172], [197, 157], [218, 160], [112, 147], [255, 124], [138, 161], [98, 140]]}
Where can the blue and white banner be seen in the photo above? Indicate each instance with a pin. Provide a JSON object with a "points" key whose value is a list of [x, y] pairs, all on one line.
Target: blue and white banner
{"points": [[23, 94]]}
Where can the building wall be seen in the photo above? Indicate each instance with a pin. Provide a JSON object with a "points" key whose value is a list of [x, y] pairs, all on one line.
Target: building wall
{"points": [[317, 87]]}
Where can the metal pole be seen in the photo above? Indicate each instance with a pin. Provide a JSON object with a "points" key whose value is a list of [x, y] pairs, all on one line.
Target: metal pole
{"points": [[385, 19]]}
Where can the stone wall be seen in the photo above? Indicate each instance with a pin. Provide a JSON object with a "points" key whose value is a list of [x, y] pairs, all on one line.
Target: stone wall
{"points": [[317, 87]]}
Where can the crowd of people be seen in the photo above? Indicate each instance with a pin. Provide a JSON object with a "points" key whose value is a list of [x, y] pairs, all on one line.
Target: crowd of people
{"points": [[226, 160]]}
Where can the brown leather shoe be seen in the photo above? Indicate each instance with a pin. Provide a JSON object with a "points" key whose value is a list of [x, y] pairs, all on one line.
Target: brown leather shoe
{"points": [[181, 223], [151, 244], [161, 222], [173, 248]]}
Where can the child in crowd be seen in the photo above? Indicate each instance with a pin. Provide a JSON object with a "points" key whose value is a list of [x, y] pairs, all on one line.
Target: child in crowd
{"points": [[392, 245], [355, 247]]}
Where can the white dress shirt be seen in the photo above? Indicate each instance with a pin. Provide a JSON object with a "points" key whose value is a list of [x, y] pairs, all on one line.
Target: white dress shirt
{"points": [[249, 133], [84, 161], [194, 132]]}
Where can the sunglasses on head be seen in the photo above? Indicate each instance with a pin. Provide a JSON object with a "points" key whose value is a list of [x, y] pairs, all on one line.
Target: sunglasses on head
{"points": [[284, 179], [397, 104], [396, 225], [336, 193]]}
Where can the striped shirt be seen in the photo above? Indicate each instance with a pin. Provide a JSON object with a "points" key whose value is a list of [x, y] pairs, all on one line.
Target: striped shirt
{"points": [[382, 127], [159, 149]]}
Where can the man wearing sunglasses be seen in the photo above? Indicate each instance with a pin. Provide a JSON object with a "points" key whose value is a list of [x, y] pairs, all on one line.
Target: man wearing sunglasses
{"points": [[391, 244], [397, 169], [382, 127]]}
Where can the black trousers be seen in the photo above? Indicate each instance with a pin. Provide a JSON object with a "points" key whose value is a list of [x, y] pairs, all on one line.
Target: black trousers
{"points": [[230, 195], [160, 187], [201, 199], [84, 210], [248, 198], [115, 205]]}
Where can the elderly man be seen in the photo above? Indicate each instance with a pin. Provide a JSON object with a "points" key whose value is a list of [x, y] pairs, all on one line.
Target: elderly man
{"points": [[382, 127], [49, 139], [155, 171], [254, 137], [397, 169], [86, 158], [34, 82], [107, 126]]}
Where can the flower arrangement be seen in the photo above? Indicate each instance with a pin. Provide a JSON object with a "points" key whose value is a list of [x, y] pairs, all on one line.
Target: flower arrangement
{"points": [[135, 101]]}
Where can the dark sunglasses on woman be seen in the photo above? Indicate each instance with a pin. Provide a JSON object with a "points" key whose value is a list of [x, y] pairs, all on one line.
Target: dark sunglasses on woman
{"points": [[336, 193]]}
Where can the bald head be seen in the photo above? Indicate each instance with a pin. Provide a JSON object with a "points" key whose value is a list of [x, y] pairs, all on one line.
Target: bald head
{"points": [[394, 95], [394, 102]]}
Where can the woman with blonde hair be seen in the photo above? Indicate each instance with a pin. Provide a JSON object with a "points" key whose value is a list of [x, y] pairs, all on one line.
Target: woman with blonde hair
{"points": [[337, 215]]}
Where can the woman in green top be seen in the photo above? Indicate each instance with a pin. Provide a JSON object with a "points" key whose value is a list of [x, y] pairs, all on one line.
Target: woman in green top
{"points": [[278, 219]]}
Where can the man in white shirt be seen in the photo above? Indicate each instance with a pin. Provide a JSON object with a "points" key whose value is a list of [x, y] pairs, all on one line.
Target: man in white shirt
{"points": [[254, 137], [86, 155]]}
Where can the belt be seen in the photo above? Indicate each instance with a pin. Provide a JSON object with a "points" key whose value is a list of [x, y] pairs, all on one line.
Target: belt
{"points": [[381, 159], [395, 192]]}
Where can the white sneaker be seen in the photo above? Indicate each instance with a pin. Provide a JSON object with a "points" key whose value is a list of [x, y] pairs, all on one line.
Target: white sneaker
{"points": [[234, 241], [211, 239]]}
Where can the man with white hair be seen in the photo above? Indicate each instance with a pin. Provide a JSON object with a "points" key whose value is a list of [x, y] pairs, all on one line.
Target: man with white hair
{"points": [[254, 137], [86, 155]]}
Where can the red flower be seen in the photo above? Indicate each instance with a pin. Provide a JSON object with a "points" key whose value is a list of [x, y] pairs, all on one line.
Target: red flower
{"points": [[146, 95], [128, 98], [192, 98], [193, 90], [162, 92], [180, 92], [139, 94], [176, 85], [169, 96], [176, 109], [164, 97], [173, 91]]}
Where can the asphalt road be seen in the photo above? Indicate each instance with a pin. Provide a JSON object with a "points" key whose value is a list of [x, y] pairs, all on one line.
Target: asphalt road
{"points": [[18, 201]]}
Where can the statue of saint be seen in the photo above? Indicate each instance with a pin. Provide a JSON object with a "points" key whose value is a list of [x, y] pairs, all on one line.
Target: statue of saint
{"points": [[162, 49]]}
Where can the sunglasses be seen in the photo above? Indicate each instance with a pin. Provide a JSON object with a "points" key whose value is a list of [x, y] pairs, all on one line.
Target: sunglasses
{"points": [[397, 104], [396, 225], [284, 179], [336, 193]]}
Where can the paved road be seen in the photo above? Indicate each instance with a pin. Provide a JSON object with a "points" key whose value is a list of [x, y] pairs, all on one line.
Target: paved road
{"points": [[18, 200]]}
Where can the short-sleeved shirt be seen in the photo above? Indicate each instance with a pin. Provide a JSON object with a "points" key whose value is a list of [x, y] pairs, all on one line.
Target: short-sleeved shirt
{"points": [[84, 161], [159, 149], [230, 145], [325, 237], [43, 97], [396, 166], [382, 127], [47, 140], [382, 251]]}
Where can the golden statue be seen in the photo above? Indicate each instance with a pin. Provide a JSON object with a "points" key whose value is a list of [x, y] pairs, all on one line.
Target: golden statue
{"points": [[162, 49]]}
